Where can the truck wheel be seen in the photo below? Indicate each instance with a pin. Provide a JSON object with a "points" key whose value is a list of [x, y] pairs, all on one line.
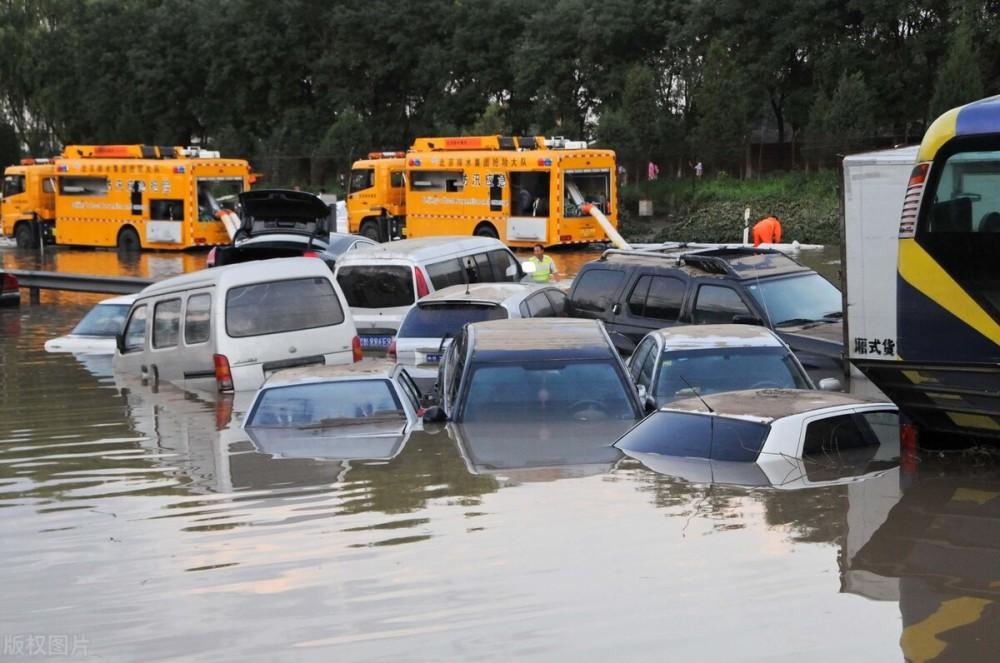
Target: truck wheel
{"points": [[486, 230], [369, 229], [128, 241], [24, 237]]}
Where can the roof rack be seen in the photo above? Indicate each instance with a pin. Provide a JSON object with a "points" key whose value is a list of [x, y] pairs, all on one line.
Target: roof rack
{"points": [[716, 261]]}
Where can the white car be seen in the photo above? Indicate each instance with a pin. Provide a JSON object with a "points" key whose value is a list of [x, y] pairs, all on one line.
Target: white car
{"points": [[770, 427], [427, 329], [95, 333], [681, 361], [357, 411]]}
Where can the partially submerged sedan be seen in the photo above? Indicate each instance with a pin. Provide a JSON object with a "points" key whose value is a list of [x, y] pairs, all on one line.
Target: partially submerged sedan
{"points": [[679, 362], [765, 426], [365, 410], [534, 370], [96, 331]]}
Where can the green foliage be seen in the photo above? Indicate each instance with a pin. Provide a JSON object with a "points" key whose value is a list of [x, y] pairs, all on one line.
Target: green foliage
{"points": [[843, 123], [960, 80], [10, 147], [722, 107]]}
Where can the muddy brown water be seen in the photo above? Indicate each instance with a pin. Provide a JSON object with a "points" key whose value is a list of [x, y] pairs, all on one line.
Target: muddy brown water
{"points": [[142, 525]]}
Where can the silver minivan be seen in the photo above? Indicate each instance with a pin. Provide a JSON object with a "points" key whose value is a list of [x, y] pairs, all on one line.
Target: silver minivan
{"points": [[381, 283], [229, 328]]}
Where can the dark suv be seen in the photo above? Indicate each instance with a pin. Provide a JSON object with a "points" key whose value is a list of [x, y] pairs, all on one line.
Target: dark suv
{"points": [[635, 292]]}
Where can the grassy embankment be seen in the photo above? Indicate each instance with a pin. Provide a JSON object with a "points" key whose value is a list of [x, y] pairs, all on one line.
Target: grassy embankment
{"points": [[712, 210]]}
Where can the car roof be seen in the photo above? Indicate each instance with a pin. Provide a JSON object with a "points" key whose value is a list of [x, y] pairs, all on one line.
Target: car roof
{"points": [[694, 337], [242, 273], [362, 370], [739, 262], [771, 404], [493, 293], [119, 301], [423, 248], [541, 338]]}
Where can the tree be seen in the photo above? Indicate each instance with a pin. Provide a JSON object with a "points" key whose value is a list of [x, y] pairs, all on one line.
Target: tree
{"points": [[960, 79], [722, 107], [843, 123]]}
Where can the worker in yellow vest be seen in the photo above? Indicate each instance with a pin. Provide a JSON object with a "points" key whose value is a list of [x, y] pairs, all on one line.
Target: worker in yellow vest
{"points": [[545, 267]]}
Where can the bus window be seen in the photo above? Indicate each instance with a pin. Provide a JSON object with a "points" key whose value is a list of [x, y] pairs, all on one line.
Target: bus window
{"points": [[966, 195], [593, 186], [529, 193]]}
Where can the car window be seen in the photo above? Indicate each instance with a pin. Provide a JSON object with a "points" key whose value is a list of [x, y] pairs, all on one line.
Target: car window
{"points": [[377, 286], [438, 320], [325, 403], [166, 323], [396, 179], [102, 320], [671, 434], [484, 270], [558, 300], [282, 306], [446, 273], [714, 370], [135, 331], [717, 304], [197, 318], [646, 370], [595, 290], [409, 389], [547, 391], [797, 299], [502, 261], [666, 294], [831, 435], [737, 440], [459, 366], [539, 306], [640, 356], [637, 298]]}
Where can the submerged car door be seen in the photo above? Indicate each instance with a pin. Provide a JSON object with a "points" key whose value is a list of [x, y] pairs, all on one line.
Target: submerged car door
{"points": [[652, 301]]}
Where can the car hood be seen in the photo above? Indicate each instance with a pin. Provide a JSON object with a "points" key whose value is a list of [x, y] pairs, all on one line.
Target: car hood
{"points": [[824, 332], [282, 211]]}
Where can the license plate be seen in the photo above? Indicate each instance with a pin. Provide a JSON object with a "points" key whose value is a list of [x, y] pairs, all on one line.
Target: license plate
{"points": [[432, 359], [375, 342], [588, 232]]}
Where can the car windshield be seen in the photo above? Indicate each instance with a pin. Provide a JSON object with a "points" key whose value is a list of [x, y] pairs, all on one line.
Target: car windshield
{"points": [[683, 374], [547, 391], [798, 299], [325, 403], [439, 320], [102, 320], [382, 286]]}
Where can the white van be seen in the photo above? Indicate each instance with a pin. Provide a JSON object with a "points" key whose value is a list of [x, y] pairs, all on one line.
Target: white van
{"points": [[381, 283], [230, 327]]}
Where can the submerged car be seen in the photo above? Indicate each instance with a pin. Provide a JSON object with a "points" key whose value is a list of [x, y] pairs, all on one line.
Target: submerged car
{"points": [[10, 292], [364, 410], [538, 370], [764, 426], [428, 328], [679, 362], [96, 331], [278, 223]]}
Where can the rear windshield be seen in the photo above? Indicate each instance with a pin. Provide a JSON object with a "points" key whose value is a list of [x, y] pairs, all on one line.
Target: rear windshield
{"points": [[685, 374], [325, 403], [282, 306], [102, 320], [382, 286], [548, 391], [695, 435], [438, 320]]}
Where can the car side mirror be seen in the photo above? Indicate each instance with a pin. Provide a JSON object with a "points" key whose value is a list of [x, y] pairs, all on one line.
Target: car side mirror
{"points": [[511, 270], [528, 267], [120, 342], [434, 415], [648, 402], [830, 384], [747, 320]]}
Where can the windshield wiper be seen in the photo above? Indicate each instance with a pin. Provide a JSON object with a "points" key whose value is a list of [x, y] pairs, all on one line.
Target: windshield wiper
{"points": [[795, 321]]}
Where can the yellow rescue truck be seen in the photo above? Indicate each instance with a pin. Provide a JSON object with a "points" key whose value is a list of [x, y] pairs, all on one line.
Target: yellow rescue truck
{"points": [[523, 190], [129, 196]]}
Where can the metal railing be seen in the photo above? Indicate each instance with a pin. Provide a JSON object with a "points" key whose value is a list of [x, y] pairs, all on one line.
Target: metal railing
{"points": [[37, 281]]}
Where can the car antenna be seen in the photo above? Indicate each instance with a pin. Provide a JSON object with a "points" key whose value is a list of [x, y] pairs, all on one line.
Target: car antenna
{"points": [[691, 387]]}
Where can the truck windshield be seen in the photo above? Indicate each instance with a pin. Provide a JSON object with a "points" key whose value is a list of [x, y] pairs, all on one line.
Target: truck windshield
{"points": [[798, 299], [966, 195], [592, 187]]}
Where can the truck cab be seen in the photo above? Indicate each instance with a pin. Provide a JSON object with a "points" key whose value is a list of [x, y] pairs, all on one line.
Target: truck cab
{"points": [[28, 202], [376, 198]]}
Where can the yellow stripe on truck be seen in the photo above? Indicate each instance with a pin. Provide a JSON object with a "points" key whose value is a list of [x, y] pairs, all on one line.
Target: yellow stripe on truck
{"points": [[940, 132], [921, 271]]}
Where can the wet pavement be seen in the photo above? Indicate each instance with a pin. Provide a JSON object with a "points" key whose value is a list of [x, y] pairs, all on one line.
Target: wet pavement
{"points": [[142, 525]]}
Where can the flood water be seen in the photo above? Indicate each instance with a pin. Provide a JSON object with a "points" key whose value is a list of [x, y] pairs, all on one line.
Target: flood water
{"points": [[142, 525]]}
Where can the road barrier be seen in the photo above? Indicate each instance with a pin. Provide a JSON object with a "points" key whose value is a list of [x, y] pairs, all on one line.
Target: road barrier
{"points": [[37, 281]]}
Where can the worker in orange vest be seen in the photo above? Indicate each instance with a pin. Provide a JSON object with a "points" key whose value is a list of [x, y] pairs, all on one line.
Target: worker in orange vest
{"points": [[767, 231]]}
